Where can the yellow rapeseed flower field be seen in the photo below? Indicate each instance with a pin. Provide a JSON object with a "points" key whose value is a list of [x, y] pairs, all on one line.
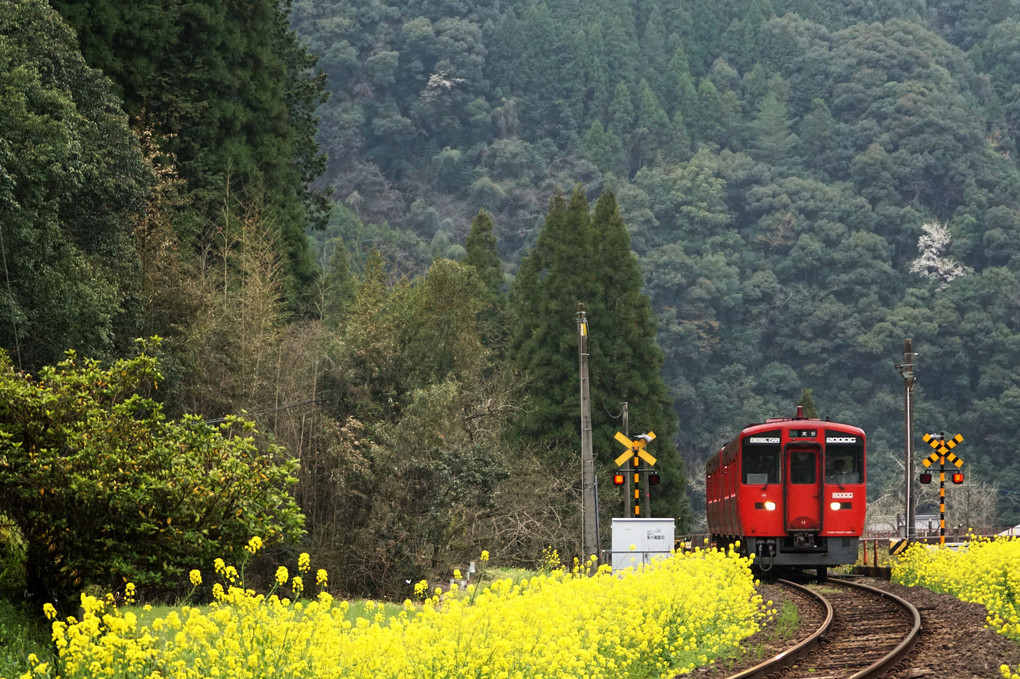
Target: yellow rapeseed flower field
{"points": [[986, 571], [669, 617]]}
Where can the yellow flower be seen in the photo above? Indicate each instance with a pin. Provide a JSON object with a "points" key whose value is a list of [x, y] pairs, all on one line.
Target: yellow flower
{"points": [[282, 576], [254, 545], [711, 592], [230, 573], [196, 577], [321, 577], [50, 611], [485, 555], [456, 574], [304, 562]]}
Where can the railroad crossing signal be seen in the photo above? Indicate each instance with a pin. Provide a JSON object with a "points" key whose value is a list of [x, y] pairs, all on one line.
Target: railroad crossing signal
{"points": [[943, 452], [635, 448], [635, 454]]}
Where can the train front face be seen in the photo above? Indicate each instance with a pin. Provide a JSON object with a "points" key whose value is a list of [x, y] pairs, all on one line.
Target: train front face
{"points": [[801, 497]]}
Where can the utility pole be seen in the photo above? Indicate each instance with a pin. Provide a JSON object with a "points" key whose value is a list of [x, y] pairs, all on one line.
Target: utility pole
{"points": [[906, 371], [589, 506], [628, 495]]}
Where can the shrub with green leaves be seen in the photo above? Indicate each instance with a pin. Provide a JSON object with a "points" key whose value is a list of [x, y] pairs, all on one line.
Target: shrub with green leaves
{"points": [[12, 557], [105, 488]]}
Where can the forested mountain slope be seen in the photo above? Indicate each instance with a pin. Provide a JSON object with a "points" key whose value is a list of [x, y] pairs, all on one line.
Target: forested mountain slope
{"points": [[776, 163], [752, 199]]}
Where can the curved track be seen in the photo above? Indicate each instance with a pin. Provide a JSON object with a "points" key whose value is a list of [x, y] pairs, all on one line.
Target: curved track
{"points": [[863, 632]]}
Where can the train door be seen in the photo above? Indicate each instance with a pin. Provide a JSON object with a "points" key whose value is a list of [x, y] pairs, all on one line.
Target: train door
{"points": [[803, 491]]}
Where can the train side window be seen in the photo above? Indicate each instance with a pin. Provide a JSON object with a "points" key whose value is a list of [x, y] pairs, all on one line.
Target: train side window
{"points": [[802, 467]]}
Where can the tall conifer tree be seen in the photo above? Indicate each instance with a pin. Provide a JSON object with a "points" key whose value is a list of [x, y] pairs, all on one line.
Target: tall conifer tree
{"points": [[545, 296], [483, 255], [626, 362], [580, 258]]}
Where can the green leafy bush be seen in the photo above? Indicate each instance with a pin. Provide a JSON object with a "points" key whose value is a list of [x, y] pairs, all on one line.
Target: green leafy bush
{"points": [[105, 489], [12, 557]]}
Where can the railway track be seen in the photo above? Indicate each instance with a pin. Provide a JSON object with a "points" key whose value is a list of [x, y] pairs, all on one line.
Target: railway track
{"points": [[859, 632]]}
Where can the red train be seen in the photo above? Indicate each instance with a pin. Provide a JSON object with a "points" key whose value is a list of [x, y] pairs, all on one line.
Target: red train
{"points": [[792, 491]]}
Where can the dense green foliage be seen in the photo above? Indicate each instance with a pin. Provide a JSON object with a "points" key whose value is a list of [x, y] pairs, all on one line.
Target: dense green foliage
{"points": [[775, 162], [229, 92], [71, 181], [105, 488], [786, 190], [419, 455]]}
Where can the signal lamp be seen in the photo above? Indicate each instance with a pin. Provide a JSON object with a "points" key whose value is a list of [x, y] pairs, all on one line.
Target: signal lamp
{"points": [[653, 479], [958, 477], [618, 479], [925, 477]]}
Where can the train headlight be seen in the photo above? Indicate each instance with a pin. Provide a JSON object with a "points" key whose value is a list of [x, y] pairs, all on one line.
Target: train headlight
{"points": [[770, 506], [835, 505]]}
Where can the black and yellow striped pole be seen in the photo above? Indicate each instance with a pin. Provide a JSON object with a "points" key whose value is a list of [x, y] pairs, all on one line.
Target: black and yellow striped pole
{"points": [[943, 452]]}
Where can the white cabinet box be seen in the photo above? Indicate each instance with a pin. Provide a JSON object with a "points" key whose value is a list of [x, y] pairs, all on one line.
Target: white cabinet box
{"points": [[651, 539]]}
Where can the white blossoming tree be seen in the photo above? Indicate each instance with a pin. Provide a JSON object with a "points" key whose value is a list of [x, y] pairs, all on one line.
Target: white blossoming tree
{"points": [[931, 263]]}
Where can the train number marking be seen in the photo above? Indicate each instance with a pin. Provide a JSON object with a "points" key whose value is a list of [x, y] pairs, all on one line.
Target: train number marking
{"points": [[842, 496]]}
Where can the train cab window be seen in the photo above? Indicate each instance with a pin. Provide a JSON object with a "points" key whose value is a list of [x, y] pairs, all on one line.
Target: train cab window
{"points": [[802, 467], [844, 458], [760, 458]]}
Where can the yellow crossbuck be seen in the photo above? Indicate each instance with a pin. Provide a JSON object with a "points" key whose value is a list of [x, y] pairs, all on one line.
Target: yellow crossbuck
{"points": [[943, 448], [635, 447]]}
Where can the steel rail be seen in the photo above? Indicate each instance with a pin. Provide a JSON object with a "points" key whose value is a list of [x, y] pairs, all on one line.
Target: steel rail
{"points": [[797, 652], [904, 646]]}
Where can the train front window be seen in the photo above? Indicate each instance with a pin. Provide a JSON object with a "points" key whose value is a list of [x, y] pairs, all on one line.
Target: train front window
{"points": [[844, 458], [802, 467], [760, 458]]}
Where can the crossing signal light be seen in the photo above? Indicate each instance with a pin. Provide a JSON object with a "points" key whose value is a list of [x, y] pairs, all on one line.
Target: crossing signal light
{"points": [[925, 477], [653, 479], [618, 479], [957, 477]]}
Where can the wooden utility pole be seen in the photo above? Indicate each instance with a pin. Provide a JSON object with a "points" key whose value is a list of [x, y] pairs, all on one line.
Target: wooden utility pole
{"points": [[628, 493], [589, 508], [906, 371]]}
